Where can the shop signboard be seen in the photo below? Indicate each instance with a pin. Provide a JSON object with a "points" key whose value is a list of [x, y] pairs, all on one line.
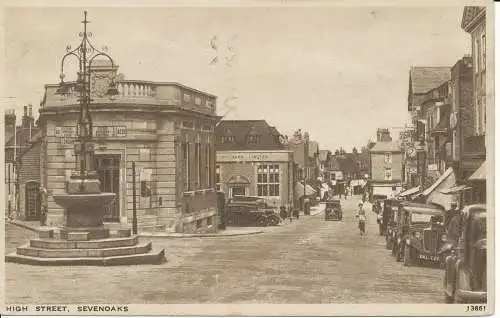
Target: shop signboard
{"points": [[251, 156]]}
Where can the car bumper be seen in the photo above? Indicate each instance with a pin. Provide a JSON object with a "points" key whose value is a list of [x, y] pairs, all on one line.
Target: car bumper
{"points": [[470, 297]]}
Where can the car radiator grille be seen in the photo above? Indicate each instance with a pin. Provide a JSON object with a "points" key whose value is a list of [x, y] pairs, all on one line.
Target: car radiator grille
{"points": [[431, 240]]}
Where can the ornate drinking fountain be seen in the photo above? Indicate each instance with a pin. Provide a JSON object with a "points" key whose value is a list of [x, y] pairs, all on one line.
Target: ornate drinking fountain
{"points": [[83, 239]]}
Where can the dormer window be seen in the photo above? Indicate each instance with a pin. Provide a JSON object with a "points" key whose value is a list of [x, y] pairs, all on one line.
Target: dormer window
{"points": [[227, 139], [197, 101], [187, 98], [253, 139]]}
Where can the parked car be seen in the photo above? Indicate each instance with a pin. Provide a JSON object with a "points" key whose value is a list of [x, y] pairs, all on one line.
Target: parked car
{"points": [[421, 233], [465, 278], [385, 213], [250, 211], [333, 210]]}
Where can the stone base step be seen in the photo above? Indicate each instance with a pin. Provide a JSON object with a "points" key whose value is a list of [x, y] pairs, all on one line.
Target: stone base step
{"points": [[151, 258], [95, 244], [83, 253]]}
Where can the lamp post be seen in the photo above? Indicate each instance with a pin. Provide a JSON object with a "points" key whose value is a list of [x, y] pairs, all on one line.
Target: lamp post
{"points": [[85, 54]]}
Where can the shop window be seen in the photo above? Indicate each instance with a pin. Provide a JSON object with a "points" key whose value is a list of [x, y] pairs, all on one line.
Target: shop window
{"points": [[197, 164], [185, 158], [208, 168], [199, 223], [210, 221], [217, 178], [268, 181], [483, 52]]}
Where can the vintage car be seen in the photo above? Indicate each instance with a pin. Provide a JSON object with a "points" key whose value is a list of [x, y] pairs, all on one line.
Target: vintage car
{"points": [[420, 233], [250, 211], [333, 210], [465, 277]]}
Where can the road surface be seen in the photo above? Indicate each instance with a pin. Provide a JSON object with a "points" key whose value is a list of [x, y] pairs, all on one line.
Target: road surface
{"points": [[309, 261]]}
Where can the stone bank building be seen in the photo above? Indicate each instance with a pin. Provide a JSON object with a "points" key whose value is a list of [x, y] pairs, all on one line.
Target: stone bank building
{"points": [[166, 128], [252, 161]]}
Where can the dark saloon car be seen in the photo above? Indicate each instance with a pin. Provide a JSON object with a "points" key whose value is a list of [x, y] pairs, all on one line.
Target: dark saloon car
{"points": [[421, 233], [465, 277], [333, 210], [250, 211]]}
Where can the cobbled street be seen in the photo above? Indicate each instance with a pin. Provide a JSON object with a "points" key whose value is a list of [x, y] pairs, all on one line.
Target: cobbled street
{"points": [[308, 261]]}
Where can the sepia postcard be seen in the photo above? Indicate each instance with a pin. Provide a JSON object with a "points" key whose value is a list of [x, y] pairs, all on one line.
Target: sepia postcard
{"points": [[248, 158]]}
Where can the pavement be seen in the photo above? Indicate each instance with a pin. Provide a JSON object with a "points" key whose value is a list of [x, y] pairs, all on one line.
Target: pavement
{"points": [[229, 231], [307, 262]]}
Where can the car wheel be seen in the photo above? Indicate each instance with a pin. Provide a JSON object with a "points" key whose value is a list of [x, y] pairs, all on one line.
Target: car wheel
{"points": [[273, 220], [407, 256], [262, 221]]}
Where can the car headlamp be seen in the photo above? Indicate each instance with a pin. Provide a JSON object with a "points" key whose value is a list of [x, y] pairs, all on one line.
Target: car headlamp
{"points": [[417, 235], [444, 237], [407, 241]]}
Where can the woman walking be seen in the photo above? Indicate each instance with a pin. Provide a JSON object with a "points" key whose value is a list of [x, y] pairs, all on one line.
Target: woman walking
{"points": [[361, 216]]}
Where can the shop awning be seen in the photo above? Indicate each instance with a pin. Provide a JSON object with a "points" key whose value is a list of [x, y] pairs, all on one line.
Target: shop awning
{"points": [[433, 193], [409, 192], [238, 180], [480, 173], [455, 189], [299, 190], [438, 182]]}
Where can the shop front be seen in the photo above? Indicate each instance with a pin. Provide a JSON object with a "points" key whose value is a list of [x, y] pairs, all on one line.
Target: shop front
{"points": [[266, 174]]}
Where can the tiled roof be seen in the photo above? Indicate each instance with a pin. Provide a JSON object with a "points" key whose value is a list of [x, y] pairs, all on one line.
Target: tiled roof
{"points": [[423, 79], [240, 129], [386, 146]]}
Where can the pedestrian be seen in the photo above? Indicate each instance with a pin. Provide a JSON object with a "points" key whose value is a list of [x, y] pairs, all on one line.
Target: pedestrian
{"points": [[361, 216], [290, 216], [345, 193], [283, 213], [453, 223]]}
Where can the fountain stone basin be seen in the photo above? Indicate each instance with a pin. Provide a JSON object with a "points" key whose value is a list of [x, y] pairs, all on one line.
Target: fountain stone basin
{"points": [[84, 210]]}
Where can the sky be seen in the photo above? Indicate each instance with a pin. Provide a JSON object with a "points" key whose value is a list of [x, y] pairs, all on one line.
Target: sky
{"points": [[338, 73]]}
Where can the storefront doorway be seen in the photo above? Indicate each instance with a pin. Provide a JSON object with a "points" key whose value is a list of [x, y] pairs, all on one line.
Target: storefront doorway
{"points": [[33, 200], [108, 170]]}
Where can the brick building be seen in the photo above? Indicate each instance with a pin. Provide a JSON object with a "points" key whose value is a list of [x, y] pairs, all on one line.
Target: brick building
{"points": [[252, 160], [474, 23], [22, 165], [422, 99], [166, 128]]}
